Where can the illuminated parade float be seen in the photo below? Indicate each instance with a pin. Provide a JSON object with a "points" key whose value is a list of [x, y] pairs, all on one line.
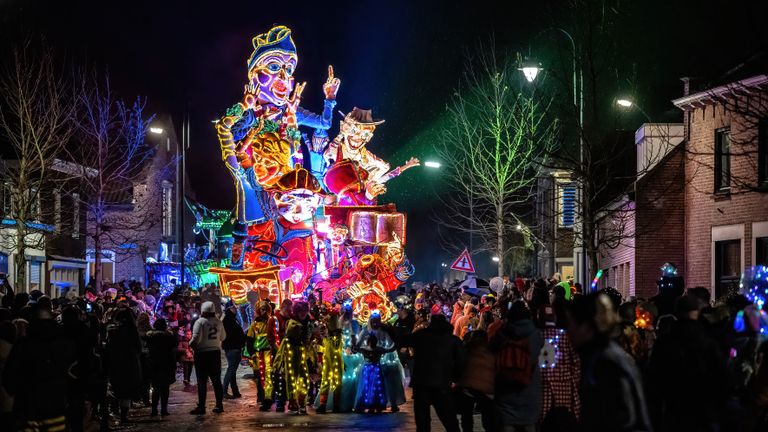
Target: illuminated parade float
{"points": [[307, 217]]}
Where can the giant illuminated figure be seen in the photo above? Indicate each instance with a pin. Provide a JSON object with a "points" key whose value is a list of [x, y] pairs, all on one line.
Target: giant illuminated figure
{"points": [[355, 131], [306, 224]]}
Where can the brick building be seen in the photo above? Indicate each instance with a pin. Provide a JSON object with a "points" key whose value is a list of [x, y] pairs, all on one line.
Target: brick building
{"points": [[555, 204], [140, 217], [704, 205], [55, 246], [642, 229], [726, 193]]}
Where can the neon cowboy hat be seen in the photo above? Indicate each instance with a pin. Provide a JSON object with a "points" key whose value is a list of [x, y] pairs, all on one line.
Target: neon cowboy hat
{"points": [[361, 116]]}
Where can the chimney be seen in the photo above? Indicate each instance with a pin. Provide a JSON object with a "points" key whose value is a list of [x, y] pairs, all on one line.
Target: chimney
{"points": [[689, 86]]}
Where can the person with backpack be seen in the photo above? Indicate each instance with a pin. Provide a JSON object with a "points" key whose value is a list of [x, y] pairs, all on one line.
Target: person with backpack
{"points": [[476, 386], [517, 345]]}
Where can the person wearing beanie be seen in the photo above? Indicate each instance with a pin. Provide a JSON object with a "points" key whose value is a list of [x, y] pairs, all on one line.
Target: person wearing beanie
{"points": [[207, 335], [161, 344]]}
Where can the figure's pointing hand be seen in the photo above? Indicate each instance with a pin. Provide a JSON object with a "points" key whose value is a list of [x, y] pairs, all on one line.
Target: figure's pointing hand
{"points": [[331, 86]]}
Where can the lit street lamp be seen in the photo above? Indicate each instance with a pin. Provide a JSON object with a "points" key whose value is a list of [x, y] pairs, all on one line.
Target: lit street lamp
{"points": [[156, 130], [495, 259], [628, 104], [530, 69], [431, 164], [579, 255]]}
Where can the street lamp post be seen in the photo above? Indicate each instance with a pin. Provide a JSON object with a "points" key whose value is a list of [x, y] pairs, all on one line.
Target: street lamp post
{"points": [[531, 71]]}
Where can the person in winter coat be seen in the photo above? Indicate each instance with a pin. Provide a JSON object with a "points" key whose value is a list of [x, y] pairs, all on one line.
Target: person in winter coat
{"points": [[161, 344], [438, 359], [207, 336], [185, 354], [612, 397], [7, 340], [477, 382], [686, 374], [77, 332], [518, 379], [37, 374], [123, 358], [233, 349]]}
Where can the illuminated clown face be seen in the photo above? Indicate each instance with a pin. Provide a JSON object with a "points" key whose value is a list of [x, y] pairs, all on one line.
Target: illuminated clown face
{"points": [[338, 235], [357, 134], [297, 205], [273, 76]]}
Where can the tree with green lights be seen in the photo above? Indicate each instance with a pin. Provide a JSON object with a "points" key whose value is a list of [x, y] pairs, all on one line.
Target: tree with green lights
{"points": [[492, 150]]}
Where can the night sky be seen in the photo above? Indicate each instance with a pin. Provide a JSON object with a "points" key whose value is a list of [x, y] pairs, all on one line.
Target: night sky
{"points": [[400, 58]]}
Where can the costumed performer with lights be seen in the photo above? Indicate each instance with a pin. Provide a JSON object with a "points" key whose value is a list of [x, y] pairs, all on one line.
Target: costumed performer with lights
{"points": [[332, 365], [352, 360], [276, 326], [392, 390], [371, 387], [259, 351], [296, 359]]}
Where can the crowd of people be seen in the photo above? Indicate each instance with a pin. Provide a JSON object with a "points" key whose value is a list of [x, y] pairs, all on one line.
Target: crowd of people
{"points": [[531, 355]]}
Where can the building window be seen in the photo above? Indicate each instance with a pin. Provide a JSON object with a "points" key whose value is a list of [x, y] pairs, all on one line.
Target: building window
{"points": [[34, 275], [7, 199], [722, 160], [762, 152], [167, 209], [567, 205], [57, 209], [761, 251], [34, 204], [727, 266], [75, 215], [4, 263]]}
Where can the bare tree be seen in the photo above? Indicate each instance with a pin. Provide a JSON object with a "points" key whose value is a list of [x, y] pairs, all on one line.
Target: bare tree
{"points": [[118, 171], [496, 135], [593, 154], [35, 117]]}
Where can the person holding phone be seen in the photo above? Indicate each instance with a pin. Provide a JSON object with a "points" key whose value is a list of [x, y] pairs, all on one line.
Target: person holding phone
{"points": [[207, 335]]}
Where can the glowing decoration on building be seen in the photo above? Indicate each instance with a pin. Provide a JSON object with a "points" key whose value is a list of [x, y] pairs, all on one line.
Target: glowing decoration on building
{"points": [[754, 285], [669, 269], [597, 278]]}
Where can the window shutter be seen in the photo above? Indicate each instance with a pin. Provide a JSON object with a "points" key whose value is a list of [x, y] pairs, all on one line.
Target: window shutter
{"points": [[567, 205]]}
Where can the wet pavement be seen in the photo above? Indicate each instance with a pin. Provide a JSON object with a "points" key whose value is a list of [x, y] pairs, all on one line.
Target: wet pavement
{"points": [[243, 415]]}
